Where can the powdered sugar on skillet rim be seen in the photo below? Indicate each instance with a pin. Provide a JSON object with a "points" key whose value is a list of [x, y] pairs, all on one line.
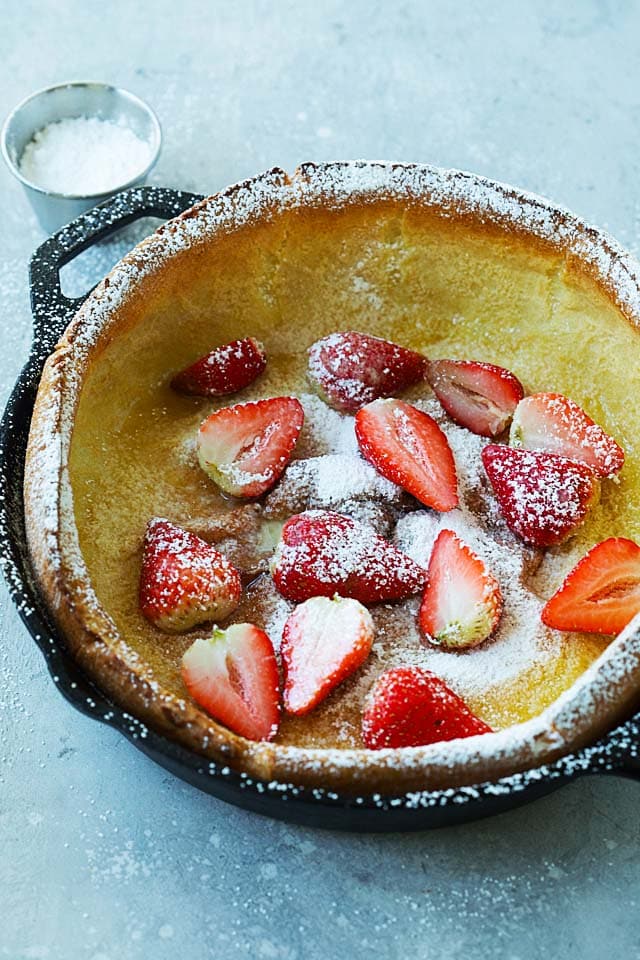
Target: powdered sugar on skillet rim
{"points": [[453, 192], [590, 703]]}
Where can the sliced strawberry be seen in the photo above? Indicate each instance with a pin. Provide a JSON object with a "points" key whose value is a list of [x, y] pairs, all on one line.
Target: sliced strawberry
{"points": [[234, 677], [478, 396], [351, 369], [408, 447], [323, 642], [184, 580], [543, 497], [552, 422], [226, 369], [410, 707], [245, 448], [462, 601], [602, 592], [322, 553]]}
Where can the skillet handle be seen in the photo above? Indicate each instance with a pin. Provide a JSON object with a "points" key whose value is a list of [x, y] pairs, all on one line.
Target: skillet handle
{"points": [[52, 311]]}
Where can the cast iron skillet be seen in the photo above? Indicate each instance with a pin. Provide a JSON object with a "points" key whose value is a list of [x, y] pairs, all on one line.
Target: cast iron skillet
{"points": [[618, 752]]}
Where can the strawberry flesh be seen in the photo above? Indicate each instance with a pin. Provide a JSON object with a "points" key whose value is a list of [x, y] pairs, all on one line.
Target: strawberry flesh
{"points": [[462, 601], [602, 592], [321, 554], [184, 580], [351, 369], [543, 497], [233, 675], [408, 447], [553, 422], [324, 641], [245, 448], [479, 396], [226, 369], [412, 707]]}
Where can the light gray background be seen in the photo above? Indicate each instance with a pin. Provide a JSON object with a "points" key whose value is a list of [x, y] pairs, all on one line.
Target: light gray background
{"points": [[103, 855]]}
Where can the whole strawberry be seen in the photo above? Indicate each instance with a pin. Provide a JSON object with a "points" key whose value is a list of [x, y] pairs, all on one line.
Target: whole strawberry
{"points": [[543, 497], [411, 707], [184, 580], [351, 369], [226, 369], [321, 554]]}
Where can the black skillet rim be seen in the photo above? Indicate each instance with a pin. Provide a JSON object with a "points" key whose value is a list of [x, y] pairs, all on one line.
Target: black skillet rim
{"points": [[618, 752]]}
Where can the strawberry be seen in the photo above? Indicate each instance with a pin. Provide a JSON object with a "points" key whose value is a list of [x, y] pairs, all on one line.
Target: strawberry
{"points": [[226, 369], [322, 553], [233, 675], [462, 601], [323, 642], [552, 422], [351, 369], [602, 592], [543, 497], [184, 580], [478, 396], [411, 707], [408, 447], [245, 448]]}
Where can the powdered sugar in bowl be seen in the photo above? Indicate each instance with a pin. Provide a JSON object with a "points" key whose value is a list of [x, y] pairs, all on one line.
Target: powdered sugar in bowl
{"points": [[73, 145]]}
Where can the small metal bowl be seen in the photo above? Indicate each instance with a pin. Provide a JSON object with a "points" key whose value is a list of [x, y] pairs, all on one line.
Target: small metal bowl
{"points": [[66, 101]]}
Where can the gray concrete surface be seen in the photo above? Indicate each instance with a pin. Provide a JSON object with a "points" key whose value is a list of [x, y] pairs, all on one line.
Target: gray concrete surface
{"points": [[103, 856]]}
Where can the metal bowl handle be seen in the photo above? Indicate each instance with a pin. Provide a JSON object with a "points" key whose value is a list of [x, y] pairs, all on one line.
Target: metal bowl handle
{"points": [[52, 310]]}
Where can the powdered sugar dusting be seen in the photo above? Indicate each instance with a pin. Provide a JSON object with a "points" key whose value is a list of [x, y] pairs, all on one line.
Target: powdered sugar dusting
{"points": [[328, 482], [325, 430], [452, 192]]}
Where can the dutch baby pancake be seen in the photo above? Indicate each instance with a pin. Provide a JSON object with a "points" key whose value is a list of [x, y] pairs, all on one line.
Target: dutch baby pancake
{"points": [[402, 342]]}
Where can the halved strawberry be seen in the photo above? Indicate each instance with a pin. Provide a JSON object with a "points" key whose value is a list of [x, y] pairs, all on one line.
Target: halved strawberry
{"points": [[184, 580], [226, 369], [411, 707], [462, 601], [543, 497], [234, 677], [245, 448], [322, 553], [408, 447], [351, 369], [552, 422], [602, 592], [323, 642], [478, 396]]}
